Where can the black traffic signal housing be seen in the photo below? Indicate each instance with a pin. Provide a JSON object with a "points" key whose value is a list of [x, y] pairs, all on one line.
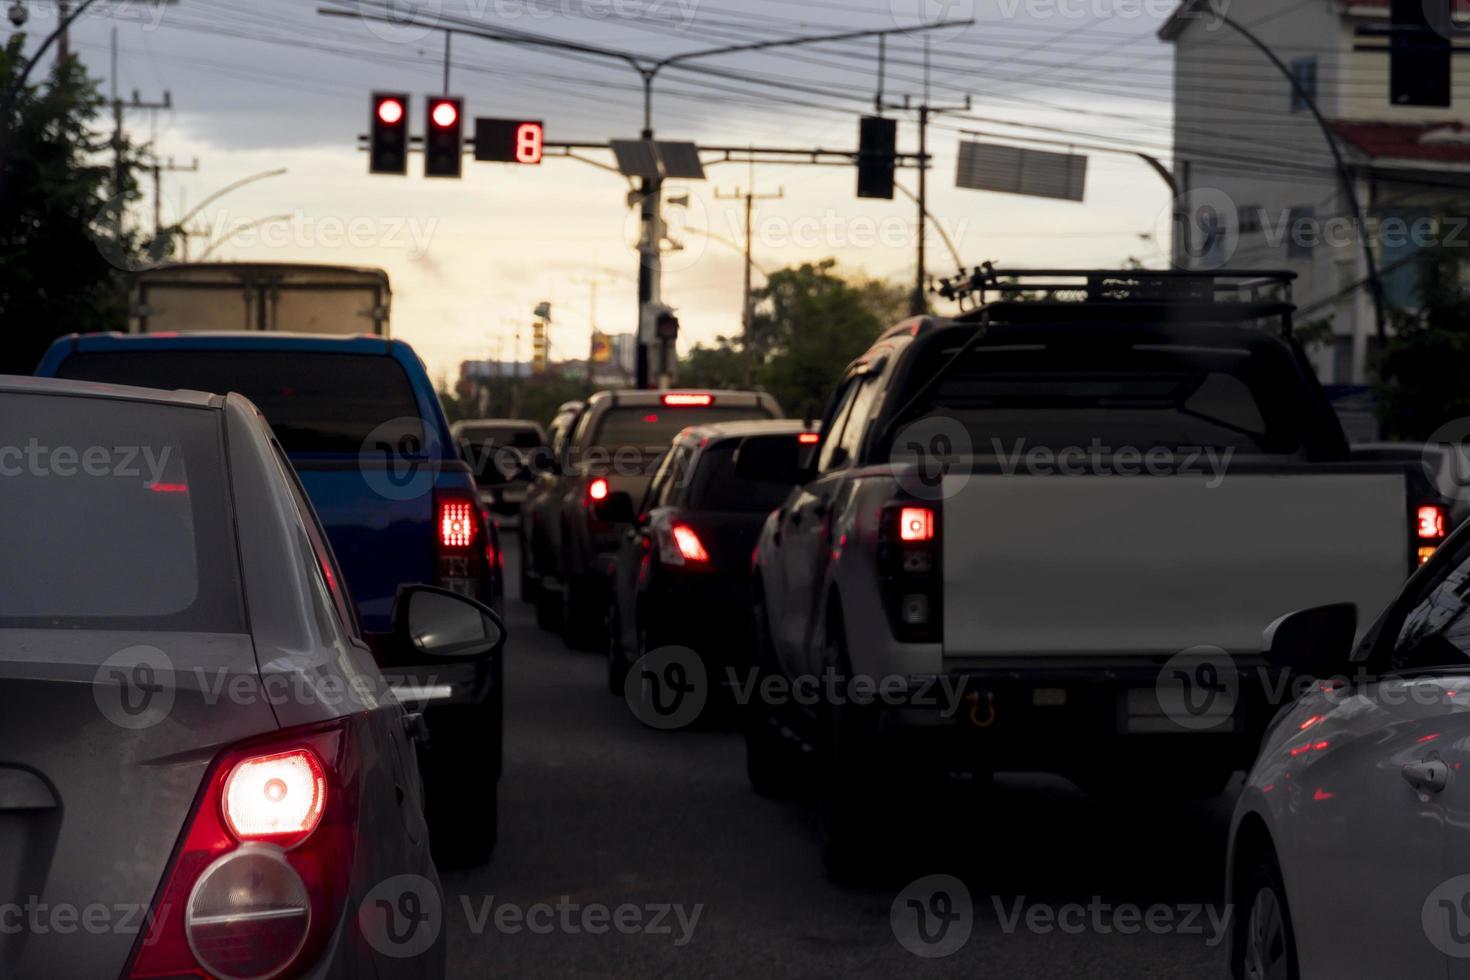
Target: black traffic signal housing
{"points": [[666, 326], [388, 142], [444, 136], [1420, 53], [877, 145]]}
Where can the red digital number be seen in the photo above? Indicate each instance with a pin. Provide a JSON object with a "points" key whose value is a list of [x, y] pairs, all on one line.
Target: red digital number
{"points": [[529, 138]]}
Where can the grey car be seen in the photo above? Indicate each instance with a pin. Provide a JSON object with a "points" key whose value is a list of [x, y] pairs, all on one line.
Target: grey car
{"points": [[203, 771]]}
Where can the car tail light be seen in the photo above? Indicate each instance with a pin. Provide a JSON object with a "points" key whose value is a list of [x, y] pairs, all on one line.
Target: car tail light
{"points": [[459, 527], [808, 438], [910, 575], [688, 399], [679, 546], [598, 489], [916, 524], [1431, 526], [257, 883], [275, 797]]}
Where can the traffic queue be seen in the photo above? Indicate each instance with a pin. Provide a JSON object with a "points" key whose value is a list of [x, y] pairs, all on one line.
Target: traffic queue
{"points": [[1104, 525]]}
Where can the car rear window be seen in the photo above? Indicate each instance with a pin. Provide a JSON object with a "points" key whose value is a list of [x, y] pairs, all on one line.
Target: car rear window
{"points": [[316, 402], [114, 516], [718, 487], [515, 437], [650, 430], [1137, 397]]}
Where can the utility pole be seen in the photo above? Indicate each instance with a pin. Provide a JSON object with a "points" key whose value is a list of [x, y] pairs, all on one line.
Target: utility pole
{"points": [[747, 306], [159, 169], [919, 305]]}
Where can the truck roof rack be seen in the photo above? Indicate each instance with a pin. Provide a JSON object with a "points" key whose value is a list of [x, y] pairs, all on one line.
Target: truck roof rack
{"points": [[1220, 295]]}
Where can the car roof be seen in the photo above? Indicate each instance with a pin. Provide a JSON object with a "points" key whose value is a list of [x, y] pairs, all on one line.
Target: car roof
{"points": [[17, 384], [742, 429], [231, 340]]}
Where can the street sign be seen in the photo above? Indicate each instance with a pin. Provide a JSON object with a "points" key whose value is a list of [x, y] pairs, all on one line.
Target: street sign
{"points": [[509, 140], [651, 160], [1012, 170]]}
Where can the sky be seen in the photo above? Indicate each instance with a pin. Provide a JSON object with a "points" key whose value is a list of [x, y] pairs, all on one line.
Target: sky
{"points": [[275, 84]]}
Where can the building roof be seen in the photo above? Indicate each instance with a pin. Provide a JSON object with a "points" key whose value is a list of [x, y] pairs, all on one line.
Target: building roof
{"points": [[1438, 142], [1190, 10]]}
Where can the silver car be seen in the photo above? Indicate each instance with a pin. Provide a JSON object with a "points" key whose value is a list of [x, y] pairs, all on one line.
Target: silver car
{"points": [[202, 770], [1350, 845]]}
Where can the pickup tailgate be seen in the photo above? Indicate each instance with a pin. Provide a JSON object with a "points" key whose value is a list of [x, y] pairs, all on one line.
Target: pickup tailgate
{"points": [[1108, 566]]}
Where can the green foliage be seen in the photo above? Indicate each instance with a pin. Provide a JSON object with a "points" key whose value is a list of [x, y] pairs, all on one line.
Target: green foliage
{"points": [[810, 323], [63, 259], [1425, 370]]}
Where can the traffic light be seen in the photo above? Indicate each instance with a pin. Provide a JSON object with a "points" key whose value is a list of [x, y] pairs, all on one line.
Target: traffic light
{"points": [[1420, 69], [509, 140], [666, 326], [443, 136], [877, 143], [388, 146]]}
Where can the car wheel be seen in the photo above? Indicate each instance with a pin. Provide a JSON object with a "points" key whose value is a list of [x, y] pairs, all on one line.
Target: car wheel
{"points": [[617, 664], [772, 758], [857, 795], [528, 584], [582, 615], [1265, 943]]}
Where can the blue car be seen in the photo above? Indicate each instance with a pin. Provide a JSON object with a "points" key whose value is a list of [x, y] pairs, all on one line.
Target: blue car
{"points": [[361, 424]]}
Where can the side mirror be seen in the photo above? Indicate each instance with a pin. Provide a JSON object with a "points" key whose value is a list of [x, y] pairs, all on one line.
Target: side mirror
{"points": [[615, 508], [772, 460], [1317, 642], [435, 623]]}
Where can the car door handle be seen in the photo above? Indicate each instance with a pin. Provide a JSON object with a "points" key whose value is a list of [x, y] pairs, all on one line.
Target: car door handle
{"points": [[415, 728], [1430, 776]]}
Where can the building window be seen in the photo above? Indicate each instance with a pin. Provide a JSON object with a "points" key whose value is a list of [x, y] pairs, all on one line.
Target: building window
{"points": [[1304, 70], [1301, 233]]}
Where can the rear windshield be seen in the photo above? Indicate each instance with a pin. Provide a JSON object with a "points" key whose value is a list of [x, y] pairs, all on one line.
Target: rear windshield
{"points": [[717, 486], [650, 430], [316, 402], [1137, 397], [500, 435], [114, 515]]}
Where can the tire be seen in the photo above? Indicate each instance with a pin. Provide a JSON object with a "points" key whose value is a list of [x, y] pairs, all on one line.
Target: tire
{"points": [[528, 584], [1265, 943], [582, 615], [548, 610], [857, 798], [772, 762], [617, 664]]}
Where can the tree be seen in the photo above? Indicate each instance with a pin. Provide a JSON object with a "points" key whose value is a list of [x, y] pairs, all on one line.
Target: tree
{"points": [[63, 250], [810, 322], [1424, 368]]}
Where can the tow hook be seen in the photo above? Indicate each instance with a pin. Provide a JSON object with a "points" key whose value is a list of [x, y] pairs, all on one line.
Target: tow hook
{"points": [[974, 699]]}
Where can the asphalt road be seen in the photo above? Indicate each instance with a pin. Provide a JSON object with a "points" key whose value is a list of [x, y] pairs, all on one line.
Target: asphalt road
{"points": [[630, 852]]}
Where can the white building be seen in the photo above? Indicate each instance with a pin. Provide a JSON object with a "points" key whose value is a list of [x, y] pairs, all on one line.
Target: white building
{"points": [[1257, 181]]}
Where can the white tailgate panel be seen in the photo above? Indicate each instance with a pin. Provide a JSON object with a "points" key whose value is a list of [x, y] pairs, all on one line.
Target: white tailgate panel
{"points": [[1078, 566]]}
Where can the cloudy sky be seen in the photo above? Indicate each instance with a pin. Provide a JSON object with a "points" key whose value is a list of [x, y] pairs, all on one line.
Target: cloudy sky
{"points": [[274, 84]]}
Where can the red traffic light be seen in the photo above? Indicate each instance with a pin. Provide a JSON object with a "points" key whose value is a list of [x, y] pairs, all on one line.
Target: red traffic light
{"points": [[390, 111], [445, 114]]}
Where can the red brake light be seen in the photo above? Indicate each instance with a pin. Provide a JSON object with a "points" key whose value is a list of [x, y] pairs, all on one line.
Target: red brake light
{"points": [[688, 399], [457, 519], [1429, 522], [916, 524], [258, 881], [390, 111], [169, 487], [598, 489], [271, 797], [690, 547], [809, 438]]}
